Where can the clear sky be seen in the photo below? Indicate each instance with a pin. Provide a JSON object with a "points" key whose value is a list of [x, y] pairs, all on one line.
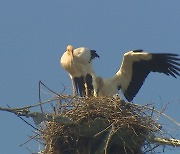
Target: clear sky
{"points": [[35, 33]]}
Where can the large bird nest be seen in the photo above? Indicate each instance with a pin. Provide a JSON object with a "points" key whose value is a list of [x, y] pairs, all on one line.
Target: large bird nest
{"points": [[81, 125], [98, 125]]}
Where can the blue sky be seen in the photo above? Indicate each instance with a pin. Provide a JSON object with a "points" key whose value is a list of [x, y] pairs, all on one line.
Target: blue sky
{"points": [[35, 33]]}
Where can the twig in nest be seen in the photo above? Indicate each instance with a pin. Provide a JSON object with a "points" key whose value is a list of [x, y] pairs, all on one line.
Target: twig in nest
{"points": [[40, 97], [171, 119], [29, 124], [110, 134], [49, 88], [33, 137], [103, 130]]}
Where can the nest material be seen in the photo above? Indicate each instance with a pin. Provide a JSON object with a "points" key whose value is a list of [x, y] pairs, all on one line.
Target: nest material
{"points": [[100, 125]]}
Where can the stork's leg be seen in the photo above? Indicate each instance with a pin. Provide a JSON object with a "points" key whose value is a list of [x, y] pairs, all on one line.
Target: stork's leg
{"points": [[74, 89], [86, 89], [88, 85]]}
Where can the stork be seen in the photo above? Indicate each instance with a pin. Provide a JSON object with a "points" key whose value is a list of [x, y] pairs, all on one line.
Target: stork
{"points": [[135, 67], [78, 63]]}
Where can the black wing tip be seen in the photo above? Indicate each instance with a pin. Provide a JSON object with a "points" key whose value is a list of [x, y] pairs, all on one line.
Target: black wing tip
{"points": [[167, 63], [138, 50], [129, 99], [173, 64], [170, 54]]}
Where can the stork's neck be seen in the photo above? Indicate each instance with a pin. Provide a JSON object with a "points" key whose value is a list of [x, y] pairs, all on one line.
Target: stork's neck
{"points": [[114, 78]]}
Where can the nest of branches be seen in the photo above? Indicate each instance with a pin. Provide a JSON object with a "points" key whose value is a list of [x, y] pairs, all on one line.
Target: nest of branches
{"points": [[98, 125]]}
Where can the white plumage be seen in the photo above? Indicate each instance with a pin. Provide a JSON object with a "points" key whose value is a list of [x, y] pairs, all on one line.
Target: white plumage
{"points": [[135, 67], [77, 62]]}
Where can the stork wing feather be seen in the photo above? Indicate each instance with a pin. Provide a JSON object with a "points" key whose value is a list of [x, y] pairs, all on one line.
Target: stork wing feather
{"points": [[79, 85], [140, 72], [141, 64], [85, 55], [93, 54]]}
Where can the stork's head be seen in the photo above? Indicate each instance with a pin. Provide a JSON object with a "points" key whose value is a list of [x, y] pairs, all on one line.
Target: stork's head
{"points": [[99, 81], [70, 49]]}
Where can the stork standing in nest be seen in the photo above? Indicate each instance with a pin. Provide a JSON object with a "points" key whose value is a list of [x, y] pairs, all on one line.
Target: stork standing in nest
{"points": [[78, 63], [135, 67]]}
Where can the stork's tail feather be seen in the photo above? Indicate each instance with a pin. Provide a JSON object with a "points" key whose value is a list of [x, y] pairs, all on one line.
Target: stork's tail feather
{"points": [[93, 54]]}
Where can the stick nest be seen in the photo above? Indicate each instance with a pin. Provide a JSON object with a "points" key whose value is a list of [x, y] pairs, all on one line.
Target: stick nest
{"points": [[98, 125]]}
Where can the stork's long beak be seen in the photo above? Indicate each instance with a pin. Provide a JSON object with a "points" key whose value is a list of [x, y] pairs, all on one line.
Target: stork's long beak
{"points": [[72, 59], [72, 56]]}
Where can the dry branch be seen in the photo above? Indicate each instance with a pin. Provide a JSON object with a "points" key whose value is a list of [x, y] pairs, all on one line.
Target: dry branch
{"points": [[166, 141]]}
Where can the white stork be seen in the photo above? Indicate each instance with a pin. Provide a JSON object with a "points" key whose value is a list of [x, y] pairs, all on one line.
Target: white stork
{"points": [[78, 63], [135, 67]]}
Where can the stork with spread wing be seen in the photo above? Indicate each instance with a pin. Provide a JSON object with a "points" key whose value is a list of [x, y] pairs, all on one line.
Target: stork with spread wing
{"points": [[135, 67]]}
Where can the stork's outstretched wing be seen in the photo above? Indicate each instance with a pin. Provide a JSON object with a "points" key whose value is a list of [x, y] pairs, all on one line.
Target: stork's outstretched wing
{"points": [[137, 65]]}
